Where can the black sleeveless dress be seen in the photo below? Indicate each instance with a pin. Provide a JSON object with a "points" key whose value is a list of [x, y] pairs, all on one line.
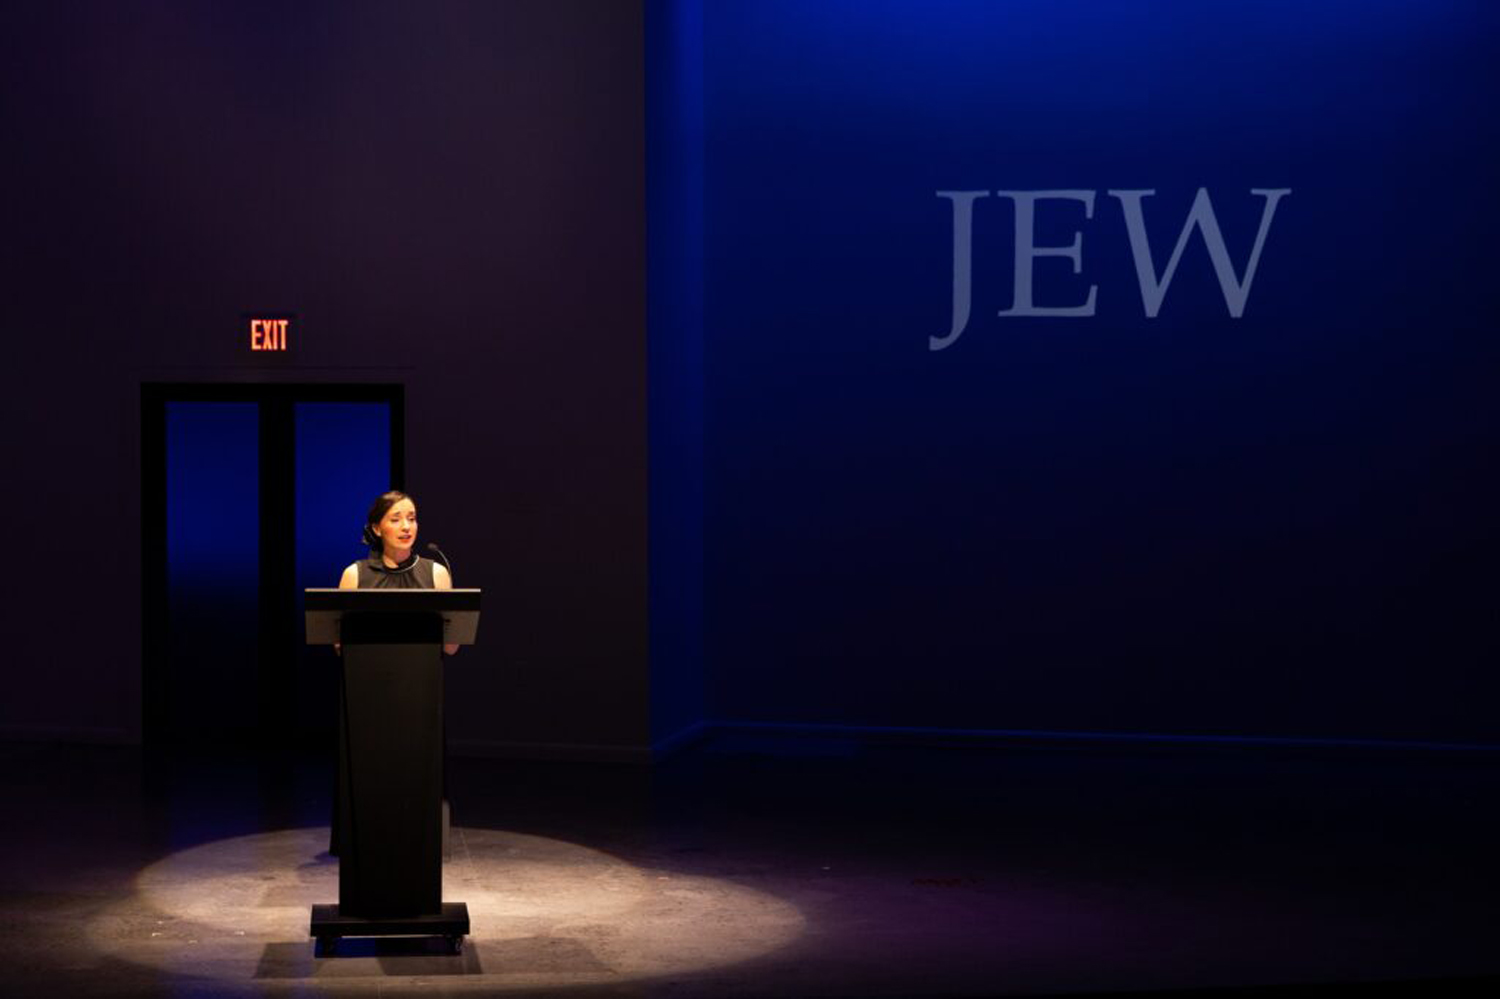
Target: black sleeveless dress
{"points": [[414, 573]]}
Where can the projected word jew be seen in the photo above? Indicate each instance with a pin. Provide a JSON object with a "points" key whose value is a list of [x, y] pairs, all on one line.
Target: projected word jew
{"points": [[1236, 287]]}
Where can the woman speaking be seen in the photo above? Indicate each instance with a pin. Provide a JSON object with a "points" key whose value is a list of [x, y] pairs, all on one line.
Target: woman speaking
{"points": [[391, 533]]}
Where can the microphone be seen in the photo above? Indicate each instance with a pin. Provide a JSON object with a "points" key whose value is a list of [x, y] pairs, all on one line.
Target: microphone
{"points": [[434, 548]]}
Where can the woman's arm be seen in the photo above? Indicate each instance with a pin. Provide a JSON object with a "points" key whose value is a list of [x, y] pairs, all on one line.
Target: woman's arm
{"points": [[348, 581], [442, 581]]}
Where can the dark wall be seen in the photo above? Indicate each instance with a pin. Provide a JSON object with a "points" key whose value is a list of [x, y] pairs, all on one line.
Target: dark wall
{"points": [[1280, 523], [449, 196]]}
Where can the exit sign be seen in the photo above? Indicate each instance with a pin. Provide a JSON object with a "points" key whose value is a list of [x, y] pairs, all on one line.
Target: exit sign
{"points": [[269, 333]]}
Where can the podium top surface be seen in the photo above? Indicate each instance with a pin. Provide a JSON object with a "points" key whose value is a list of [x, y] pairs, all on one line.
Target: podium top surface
{"points": [[398, 601], [326, 606]]}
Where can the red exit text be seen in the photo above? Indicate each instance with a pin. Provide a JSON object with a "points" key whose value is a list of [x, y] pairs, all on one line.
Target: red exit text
{"points": [[268, 334]]}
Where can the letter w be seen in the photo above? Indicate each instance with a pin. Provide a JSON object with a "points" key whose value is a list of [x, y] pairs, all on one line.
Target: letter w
{"points": [[1202, 217]]}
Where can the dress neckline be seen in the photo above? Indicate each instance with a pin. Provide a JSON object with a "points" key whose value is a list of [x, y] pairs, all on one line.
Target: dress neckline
{"points": [[377, 562]]}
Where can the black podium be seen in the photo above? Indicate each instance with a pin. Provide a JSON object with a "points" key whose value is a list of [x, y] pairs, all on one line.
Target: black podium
{"points": [[391, 758]]}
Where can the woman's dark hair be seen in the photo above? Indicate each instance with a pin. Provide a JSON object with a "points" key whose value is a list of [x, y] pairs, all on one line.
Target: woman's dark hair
{"points": [[378, 510]]}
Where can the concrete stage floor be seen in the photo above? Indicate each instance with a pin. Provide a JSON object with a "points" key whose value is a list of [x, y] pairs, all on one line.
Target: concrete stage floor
{"points": [[758, 866]]}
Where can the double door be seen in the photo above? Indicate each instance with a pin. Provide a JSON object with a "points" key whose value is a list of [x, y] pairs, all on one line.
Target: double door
{"points": [[250, 494]]}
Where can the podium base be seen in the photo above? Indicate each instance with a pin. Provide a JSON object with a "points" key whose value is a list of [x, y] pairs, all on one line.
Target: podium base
{"points": [[328, 926]]}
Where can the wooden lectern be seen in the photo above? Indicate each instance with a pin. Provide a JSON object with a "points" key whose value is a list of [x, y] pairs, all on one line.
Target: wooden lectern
{"points": [[390, 762]]}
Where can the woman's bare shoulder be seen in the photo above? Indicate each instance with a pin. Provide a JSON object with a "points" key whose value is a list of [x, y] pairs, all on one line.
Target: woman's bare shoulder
{"points": [[350, 579]]}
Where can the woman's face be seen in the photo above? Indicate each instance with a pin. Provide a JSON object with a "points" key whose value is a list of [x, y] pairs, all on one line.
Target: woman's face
{"points": [[398, 528]]}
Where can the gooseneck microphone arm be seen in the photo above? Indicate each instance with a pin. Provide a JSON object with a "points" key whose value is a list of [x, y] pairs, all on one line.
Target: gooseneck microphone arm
{"points": [[434, 548]]}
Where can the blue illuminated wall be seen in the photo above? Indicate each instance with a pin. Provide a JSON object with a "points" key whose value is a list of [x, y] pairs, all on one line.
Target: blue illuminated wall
{"points": [[1277, 524], [674, 298], [342, 461], [213, 525], [220, 675]]}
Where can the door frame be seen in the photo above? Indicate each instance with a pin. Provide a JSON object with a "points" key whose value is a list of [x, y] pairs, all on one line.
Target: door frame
{"points": [[277, 495]]}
